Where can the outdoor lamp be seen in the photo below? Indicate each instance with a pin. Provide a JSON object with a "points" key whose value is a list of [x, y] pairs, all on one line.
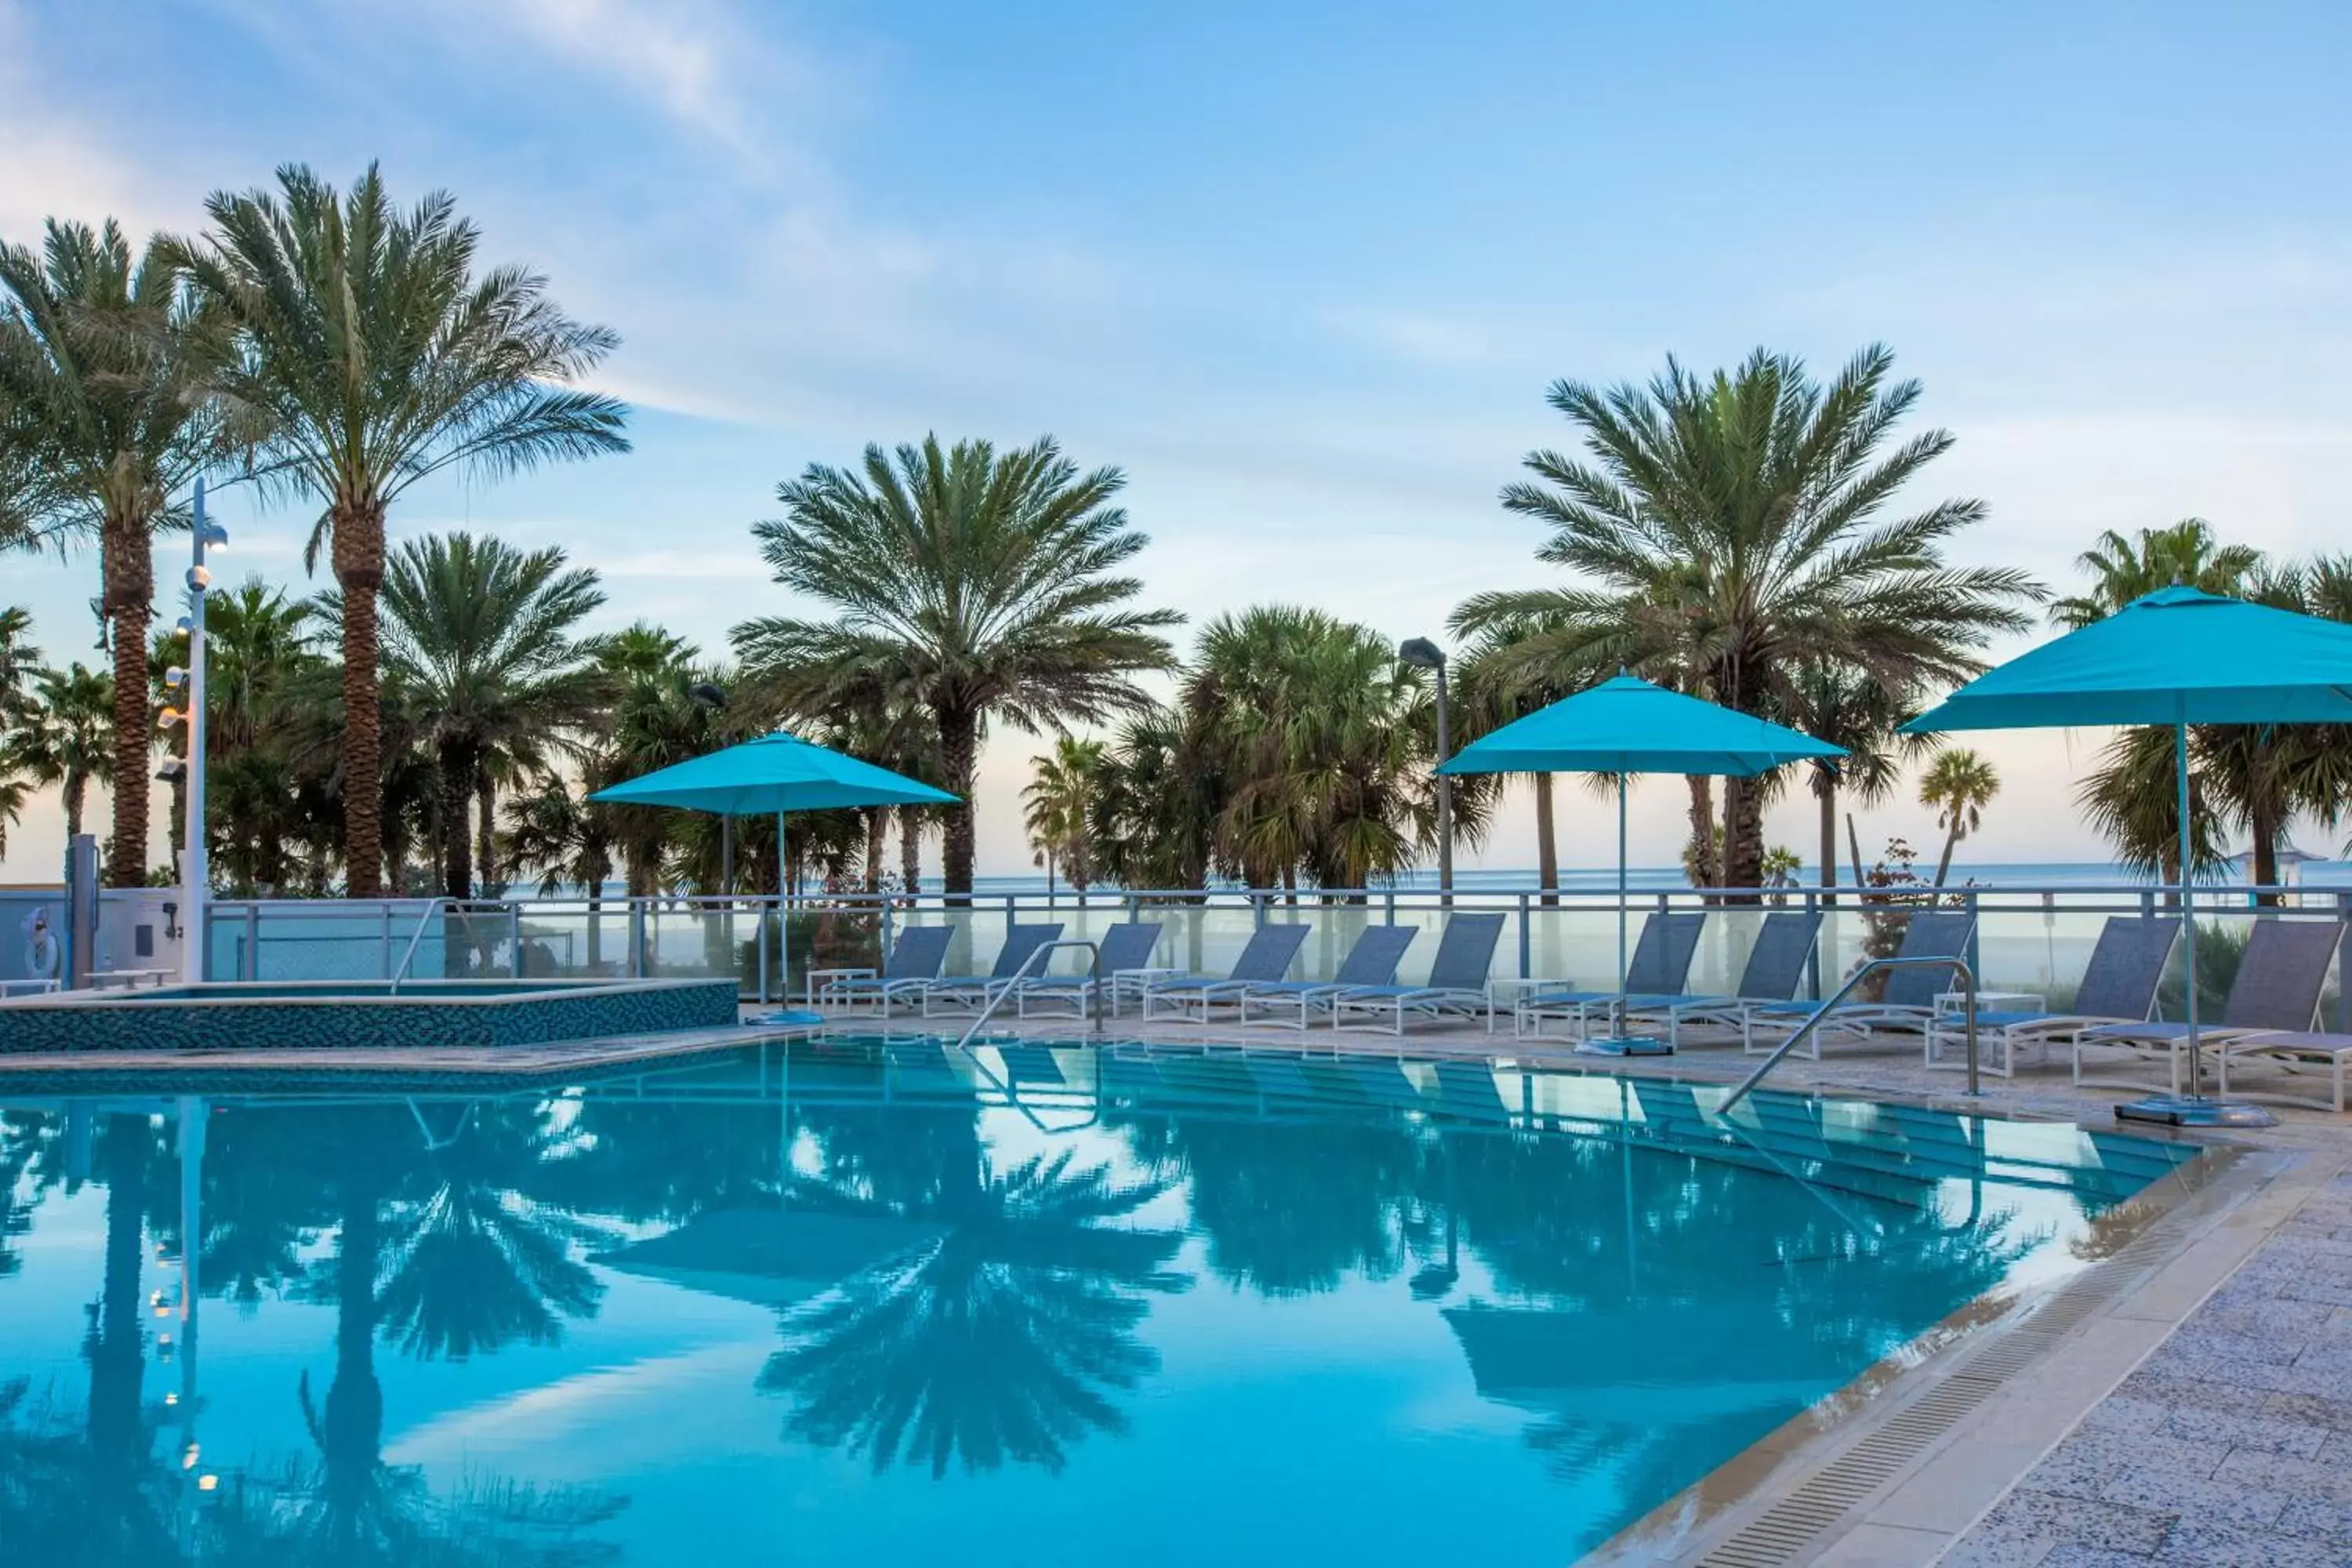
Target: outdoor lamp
{"points": [[200, 578], [169, 716], [215, 536], [182, 627], [172, 770], [175, 677]]}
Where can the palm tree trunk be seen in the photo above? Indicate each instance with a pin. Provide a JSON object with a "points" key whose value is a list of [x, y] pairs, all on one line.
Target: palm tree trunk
{"points": [[77, 784], [1825, 793], [1704, 868], [875, 822], [910, 849], [458, 766], [117, 1352], [2263, 819], [129, 589], [1546, 842], [959, 756], [1743, 833], [359, 572], [1951, 842], [350, 1434], [486, 828]]}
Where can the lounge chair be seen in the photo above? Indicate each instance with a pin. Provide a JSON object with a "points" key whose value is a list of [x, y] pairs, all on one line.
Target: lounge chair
{"points": [[1266, 958], [1371, 961], [1660, 966], [1776, 967], [973, 993], [1908, 1002], [1460, 984], [2276, 991], [915, 960], [2118, 988], [1126, 950]]}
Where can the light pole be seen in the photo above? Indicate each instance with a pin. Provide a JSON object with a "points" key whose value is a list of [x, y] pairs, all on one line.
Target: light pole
{"points": [[711, 697], [1423, 654], [189, 681]]}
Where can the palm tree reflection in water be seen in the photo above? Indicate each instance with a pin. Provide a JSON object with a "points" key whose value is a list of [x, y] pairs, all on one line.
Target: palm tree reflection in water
{"points": [[1004, 1339]]}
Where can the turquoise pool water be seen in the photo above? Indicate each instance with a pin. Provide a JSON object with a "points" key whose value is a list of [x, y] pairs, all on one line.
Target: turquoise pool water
{"points": [[871, 1303]]}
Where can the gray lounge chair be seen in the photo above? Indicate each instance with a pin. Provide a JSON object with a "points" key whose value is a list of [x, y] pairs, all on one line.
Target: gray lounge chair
{"points": [[1660, 966], [1266, 958], [973, 993], [1126, 950], [1460, 984], [1371, 961], [1908, 1002], [915, 960], [1776, 967], [2118, 986], [2277, 989]]}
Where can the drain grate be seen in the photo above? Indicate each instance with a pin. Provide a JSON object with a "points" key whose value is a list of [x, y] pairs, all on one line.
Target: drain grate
{"points": [[1785, 1533]]}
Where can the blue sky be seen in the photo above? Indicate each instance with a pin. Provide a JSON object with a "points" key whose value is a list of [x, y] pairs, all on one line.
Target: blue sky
{"points": [[1304, 271]]}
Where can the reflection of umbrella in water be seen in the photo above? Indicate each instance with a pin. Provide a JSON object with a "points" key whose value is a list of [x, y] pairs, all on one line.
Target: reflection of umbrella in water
{"points": [[769, 1257], [1642, 1366]]}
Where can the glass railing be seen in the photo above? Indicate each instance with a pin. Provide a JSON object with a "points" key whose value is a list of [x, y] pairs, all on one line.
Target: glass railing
{"points": [[2030, 941]]}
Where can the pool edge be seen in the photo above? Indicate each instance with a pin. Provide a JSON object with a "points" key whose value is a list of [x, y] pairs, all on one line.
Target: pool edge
{"points": [[1897, 1466]]}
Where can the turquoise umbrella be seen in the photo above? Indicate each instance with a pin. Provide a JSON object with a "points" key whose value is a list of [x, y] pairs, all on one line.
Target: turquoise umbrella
{"points": [[2175, 657], [1628, 726], [778, 773]]}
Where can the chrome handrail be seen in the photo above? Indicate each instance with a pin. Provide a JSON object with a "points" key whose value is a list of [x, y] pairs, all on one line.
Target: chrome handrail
{"points": [[434, 907], [1821, 1013], [1012, 984]]}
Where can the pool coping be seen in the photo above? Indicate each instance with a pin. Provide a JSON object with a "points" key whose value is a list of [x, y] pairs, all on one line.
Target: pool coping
{"points": [[1894, 1468]]}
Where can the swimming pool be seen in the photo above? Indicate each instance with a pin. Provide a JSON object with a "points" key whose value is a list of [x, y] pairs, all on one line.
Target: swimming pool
{"points": [[867, 1300]]}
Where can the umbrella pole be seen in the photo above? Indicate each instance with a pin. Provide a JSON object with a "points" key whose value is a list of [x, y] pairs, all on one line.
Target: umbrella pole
{"points": [[1618, 1028], [2192, 1109], [784, 886]]}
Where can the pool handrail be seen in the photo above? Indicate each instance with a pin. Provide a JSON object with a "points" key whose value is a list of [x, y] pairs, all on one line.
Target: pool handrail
{"points": [[434, 907], [1953, 962], [1013, 984]]}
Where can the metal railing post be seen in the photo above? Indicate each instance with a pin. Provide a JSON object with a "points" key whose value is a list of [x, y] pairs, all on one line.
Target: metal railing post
{"points": [[1527, 940], [636, 939], [514, 938], [760, 946], [250, 968]]}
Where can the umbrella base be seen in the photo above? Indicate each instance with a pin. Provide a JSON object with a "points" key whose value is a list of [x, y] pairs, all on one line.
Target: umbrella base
{"points": [[2194, 1110], [1628, 1045]]}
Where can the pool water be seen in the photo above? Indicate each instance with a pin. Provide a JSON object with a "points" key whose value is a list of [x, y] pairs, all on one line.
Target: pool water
{"points": [[876, 1302]]}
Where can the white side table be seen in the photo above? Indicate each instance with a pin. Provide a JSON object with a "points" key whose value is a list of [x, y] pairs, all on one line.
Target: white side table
{"points": [[814, 975]]}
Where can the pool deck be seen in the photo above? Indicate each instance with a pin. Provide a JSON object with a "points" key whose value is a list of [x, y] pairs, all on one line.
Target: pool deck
{"points": [[2186, 1400]]}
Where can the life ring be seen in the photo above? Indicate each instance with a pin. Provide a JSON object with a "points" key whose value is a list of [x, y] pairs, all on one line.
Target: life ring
{"points": [[41, 949]]}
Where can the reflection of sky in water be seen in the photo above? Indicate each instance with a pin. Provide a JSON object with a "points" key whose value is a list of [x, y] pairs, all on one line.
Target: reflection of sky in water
{"points": [[1615, 1318]]}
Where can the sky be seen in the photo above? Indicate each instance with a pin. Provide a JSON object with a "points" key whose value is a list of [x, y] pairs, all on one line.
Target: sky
{"points": [[1303, 271]]}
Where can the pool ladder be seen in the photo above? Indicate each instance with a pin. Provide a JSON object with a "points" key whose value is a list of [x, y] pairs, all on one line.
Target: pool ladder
{"points": [[1820, 1014], [1027, 971]]}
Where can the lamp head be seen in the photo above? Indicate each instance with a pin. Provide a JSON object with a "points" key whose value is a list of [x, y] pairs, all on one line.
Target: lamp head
{"points": [[706, 694], [170, 717], [215, 537], [1422, 653], [200, 578], [172, 770]]}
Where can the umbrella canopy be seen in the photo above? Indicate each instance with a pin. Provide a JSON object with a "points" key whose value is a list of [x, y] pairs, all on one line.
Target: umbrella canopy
{"points": [[2178, 655], [773, 774], [1629, 726]]}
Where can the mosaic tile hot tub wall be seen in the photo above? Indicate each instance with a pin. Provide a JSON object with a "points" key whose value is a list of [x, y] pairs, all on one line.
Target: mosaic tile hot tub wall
{"points": [[219, 1020]]}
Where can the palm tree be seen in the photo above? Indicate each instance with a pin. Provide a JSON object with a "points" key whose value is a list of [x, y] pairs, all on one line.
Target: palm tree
{"points": [[485, 636], [1496, 687], [985, 582], [70, 742], [270, 737], [103, 362], [1725, 532], [1157, 800], [1058, 809], [1327, 742], [1958, 785], [1842, 705], [2122, 569], [18, 660], [372, 356]]}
